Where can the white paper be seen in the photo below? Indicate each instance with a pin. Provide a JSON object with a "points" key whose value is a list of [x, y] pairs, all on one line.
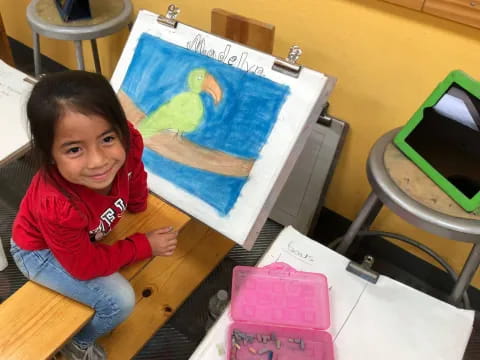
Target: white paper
{"points": [[304, 254], [14, 91], [455, 109], [293, 123], [396, 322], [387, 320]]}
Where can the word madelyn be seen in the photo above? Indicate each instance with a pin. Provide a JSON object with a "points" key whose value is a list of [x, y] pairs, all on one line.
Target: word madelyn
{"points": [[240, 61]]}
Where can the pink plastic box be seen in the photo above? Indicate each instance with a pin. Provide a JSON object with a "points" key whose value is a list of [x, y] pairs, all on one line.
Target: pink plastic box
{"points": [[279, 314]]}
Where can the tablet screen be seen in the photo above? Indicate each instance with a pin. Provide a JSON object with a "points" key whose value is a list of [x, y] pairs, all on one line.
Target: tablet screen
{"points": [[448, 138]]}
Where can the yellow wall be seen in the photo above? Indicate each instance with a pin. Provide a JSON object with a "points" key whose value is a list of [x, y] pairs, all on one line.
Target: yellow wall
{"points": [[387, 59]]}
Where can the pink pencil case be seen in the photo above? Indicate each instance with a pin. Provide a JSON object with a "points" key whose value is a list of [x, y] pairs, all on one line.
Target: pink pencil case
{"points": [[279, 314]]}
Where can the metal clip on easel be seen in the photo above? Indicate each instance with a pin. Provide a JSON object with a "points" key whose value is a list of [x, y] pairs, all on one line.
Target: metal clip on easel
{"points": [[170, 16], [289, 65], [364, 270]]}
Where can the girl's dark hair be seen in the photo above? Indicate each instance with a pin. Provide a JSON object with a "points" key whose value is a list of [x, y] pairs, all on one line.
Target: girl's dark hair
{"points": [[79, 91]]}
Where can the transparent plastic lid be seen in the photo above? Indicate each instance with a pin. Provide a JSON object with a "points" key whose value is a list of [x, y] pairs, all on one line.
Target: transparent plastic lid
{"points": [[277, 294]]}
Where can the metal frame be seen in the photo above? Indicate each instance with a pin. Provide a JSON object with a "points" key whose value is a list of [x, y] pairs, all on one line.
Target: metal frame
{"points": [[75, 33]]}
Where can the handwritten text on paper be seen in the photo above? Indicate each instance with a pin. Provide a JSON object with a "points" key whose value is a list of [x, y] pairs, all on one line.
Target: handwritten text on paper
{"points": [[225, 55], [296, 251]]}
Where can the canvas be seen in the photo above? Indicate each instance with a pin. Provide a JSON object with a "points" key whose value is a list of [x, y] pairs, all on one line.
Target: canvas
{"points": [[191, 101], [221, 128]]}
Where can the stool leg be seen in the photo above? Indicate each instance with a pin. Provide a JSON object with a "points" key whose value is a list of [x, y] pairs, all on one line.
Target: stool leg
{"points": [[37, 61], [79, 54], [96, 59], [469, 269], [365, 217]]}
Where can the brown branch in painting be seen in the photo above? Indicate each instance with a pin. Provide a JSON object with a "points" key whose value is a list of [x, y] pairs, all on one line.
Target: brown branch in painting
{"points": [[132, 111], [179, 149]]}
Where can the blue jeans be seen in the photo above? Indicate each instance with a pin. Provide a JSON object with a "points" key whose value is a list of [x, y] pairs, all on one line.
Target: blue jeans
{"points": [[112, 297]]}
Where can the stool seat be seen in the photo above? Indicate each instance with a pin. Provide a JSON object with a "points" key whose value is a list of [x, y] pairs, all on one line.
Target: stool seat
{"points": [[413, 196], [401, 186], [108, 17]]}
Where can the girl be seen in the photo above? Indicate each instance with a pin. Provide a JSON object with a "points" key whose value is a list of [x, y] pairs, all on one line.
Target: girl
{"points": [[91, 172]]}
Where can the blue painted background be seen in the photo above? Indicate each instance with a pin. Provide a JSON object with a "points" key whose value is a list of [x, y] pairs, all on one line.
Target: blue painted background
{"points": [[239, 125]]}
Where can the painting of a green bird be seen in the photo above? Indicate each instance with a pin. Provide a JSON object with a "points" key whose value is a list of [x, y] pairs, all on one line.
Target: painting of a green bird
{"points": [[184, 112]]}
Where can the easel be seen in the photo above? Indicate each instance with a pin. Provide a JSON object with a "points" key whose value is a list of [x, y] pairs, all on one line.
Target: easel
{"points": [[36, 330], [253, 33]]}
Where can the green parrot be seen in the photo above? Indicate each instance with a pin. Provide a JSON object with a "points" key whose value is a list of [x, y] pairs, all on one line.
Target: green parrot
{"points": [[184, 112]]}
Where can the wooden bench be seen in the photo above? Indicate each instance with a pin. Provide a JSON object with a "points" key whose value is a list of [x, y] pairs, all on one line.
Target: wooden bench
{"points": [[35, 322]]}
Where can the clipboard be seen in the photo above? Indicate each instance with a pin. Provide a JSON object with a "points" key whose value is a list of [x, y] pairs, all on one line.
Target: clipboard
{"points": [[243, 214]]}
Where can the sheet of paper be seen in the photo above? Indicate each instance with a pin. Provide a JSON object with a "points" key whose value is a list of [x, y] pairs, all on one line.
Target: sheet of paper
{"points": [[388, 320], [14, 91], [455, 109], [304, 254], [396, 322]]}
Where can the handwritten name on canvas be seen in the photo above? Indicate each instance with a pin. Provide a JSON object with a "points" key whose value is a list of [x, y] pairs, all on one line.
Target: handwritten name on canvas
{"points": [[225, 55]]}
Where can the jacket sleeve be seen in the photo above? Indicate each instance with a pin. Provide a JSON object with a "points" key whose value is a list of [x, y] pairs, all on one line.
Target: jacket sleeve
{"points": [[66, 234], [137, 201]]}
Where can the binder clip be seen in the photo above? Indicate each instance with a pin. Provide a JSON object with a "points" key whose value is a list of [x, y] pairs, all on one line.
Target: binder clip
{"points": [[289, 65], [364, 270], [30, 80], [170, 16], [325, 119]]}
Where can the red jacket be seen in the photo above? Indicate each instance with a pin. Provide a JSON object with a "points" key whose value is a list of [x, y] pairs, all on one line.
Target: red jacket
{"points": [[67, 218]]}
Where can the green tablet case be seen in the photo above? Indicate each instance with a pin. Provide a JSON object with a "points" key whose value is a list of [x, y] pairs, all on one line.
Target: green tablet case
{"points": [[457, 79]]}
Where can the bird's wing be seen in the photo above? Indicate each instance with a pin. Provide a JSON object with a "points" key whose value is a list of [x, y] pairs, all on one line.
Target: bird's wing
{"points": [[185, 111], [182, 113]]}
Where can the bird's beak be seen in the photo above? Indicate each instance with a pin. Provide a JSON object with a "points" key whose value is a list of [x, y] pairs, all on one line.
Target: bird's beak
{"points": [[210, 85]]}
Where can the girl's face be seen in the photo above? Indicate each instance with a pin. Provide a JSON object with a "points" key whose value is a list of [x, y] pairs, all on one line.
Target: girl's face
{"points": [[87, 151]]}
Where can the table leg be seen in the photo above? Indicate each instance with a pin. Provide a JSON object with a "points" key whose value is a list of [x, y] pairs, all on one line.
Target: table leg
{"points": [[96, 59], [79, 54], [469, 269], [36, 54], [365, 217]]}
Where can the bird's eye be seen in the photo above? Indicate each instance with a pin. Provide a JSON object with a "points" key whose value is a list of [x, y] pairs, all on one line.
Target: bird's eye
{"points": [[200, 77]]}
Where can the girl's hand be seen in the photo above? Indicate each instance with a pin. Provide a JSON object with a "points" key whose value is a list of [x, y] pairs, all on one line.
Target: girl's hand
{"points": [[163, 241]]}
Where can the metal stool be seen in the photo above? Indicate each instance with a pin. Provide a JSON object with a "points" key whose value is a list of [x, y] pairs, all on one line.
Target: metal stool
{"points": [[108, 16], [397, 183]]}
